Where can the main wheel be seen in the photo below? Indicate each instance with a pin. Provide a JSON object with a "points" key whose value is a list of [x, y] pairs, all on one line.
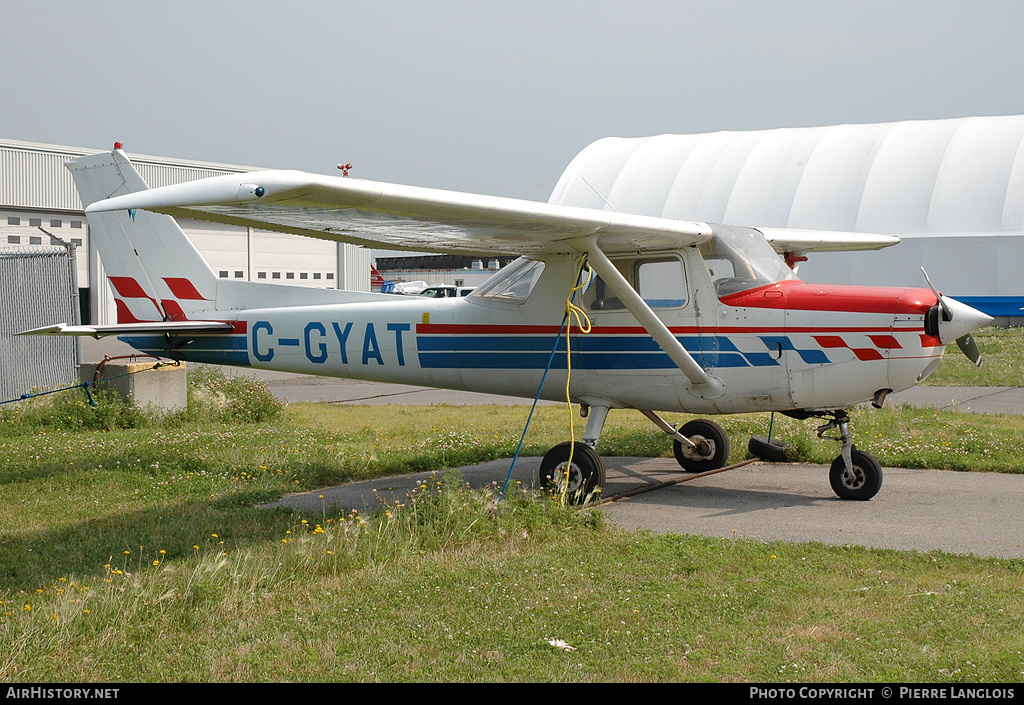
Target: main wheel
{"points": [[580, 479], [712, 446], [861, 484]]}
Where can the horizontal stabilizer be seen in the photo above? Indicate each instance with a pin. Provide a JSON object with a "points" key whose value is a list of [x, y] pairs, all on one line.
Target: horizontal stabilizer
{"points": [[171, 327]]}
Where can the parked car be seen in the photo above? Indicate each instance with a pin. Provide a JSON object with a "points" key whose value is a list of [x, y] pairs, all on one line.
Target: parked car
{"points": [[408, 288], [441, 291]]}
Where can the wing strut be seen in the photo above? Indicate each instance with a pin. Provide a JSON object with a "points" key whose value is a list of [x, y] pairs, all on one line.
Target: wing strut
{"points": [[704, 385]]}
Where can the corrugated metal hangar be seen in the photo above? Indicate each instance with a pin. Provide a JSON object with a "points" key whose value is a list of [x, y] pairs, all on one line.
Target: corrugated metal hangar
{"points": [[38, 201]]}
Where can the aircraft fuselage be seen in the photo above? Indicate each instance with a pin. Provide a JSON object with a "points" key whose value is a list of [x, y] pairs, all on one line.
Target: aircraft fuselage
{"points": [[784, 346]]}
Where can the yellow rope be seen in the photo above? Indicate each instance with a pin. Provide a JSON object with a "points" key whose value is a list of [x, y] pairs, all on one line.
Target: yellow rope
{"points": [[574, 312]]}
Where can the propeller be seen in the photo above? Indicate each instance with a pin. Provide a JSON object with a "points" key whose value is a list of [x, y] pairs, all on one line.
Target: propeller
{"points": [[957, 322], [969, 348]]}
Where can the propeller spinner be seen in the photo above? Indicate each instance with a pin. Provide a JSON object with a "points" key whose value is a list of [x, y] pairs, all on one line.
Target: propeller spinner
{"points": [[953, 320]]}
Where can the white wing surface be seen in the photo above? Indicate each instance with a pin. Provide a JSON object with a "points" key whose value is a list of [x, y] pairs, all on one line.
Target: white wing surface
{"points": [[404, 217], [804, 241]]}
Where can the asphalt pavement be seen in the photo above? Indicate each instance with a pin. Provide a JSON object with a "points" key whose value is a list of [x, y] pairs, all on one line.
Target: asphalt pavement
{"points": [[916, 510]]}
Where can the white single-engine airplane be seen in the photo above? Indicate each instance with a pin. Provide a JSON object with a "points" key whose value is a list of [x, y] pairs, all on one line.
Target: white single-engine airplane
{"points": [[684, 316]]}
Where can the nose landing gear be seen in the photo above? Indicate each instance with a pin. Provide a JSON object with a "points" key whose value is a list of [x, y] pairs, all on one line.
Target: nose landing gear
{"points": [[855, 474]]}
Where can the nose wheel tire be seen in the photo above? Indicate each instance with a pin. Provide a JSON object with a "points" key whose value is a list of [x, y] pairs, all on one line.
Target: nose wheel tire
{"points": [[580, 479], [862, 482], [712, 449]]}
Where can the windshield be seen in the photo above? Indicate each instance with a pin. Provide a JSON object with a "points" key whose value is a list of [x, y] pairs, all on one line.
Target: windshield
{"points": [[740, 258], [513, 283]]}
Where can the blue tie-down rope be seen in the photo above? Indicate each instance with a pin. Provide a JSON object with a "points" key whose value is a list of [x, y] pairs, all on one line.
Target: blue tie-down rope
{"points": [[84, 385], [551, 359], [532, 408], [29, 395]]}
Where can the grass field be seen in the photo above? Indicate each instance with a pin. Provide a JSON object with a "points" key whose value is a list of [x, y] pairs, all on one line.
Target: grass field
{"points": [[130, 550], [1002, 354]]}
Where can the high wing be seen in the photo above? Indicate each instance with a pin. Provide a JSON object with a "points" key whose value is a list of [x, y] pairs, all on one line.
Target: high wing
{"points": [[799, 242], [393, 216], [405, 217]]}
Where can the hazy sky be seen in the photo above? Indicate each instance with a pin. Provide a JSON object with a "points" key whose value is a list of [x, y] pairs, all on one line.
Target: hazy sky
{"points": [[484, 96]]}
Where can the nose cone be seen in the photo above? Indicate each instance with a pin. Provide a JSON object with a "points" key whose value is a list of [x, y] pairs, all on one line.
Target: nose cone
{"points": [[963, 320]]}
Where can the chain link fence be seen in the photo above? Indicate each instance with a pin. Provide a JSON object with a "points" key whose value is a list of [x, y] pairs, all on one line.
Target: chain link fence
{"points": [[38, 287]]}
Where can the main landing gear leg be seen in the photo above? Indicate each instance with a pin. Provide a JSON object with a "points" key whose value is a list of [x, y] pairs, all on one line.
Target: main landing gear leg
{"points": [[855, 474], [699, 445], [575, 468]]}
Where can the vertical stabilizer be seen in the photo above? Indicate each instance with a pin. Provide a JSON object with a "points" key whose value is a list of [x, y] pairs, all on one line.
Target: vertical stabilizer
{"points": [[155, 272]]}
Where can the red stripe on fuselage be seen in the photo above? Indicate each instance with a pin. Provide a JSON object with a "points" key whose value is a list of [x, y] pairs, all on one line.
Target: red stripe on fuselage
{"points": [[885, 341]]}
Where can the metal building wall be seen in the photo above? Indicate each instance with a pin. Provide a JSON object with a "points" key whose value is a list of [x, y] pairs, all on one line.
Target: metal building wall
{"points": [[37, 288], [35, 184], [34, 175], [32, 179]]}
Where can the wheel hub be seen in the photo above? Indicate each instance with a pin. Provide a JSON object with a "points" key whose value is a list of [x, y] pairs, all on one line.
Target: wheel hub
{"points": [[704, 449], [854, 478], [570, 474]]}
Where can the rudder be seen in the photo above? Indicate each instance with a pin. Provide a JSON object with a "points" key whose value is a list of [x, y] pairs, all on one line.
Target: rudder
{"points": [[155, 272]]}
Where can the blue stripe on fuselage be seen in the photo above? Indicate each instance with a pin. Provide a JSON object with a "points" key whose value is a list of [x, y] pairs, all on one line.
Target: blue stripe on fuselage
{"points": [[214, 350], [595, 352]]}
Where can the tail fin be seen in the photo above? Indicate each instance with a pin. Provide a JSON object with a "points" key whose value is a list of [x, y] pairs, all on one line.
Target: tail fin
{"points": [[156, 273]]}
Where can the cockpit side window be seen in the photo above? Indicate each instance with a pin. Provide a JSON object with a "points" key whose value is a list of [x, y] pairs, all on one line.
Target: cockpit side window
{"points": [[660, 281]]}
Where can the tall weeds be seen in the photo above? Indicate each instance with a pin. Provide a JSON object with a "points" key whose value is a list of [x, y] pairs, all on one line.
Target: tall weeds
{"points": [[212, 397]]}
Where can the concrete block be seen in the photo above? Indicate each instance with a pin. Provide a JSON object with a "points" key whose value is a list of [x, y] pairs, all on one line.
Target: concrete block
{"points": [[163, 388]]}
